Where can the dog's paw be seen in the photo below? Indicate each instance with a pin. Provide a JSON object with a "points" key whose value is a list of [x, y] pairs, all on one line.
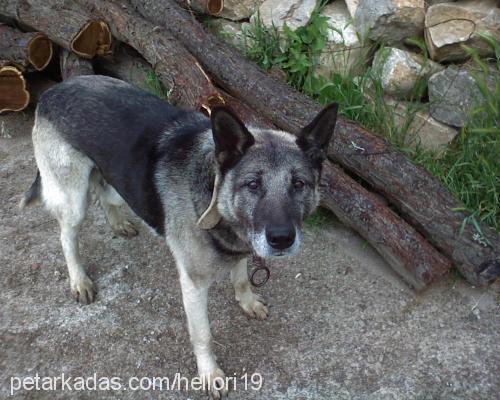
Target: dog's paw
{"points": [[215, 383], [124, 228], [83, 290], [254, 306]]}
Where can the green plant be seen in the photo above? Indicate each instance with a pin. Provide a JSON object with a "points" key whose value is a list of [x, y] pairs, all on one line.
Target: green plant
{"points": [[156, 86], [470, 166], [321, 218]]}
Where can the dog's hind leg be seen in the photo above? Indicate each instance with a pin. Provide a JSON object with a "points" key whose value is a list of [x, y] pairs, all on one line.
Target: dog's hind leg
{"points": [[65, 182], [110, 202], [252, 304], [66, 197]]}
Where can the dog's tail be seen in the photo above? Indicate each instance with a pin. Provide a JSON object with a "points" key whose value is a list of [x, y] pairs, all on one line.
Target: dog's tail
{"points": [[33, 194]]}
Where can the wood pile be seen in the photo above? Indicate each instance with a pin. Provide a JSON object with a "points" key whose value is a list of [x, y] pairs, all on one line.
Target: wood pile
{"points": [[398, 207]]}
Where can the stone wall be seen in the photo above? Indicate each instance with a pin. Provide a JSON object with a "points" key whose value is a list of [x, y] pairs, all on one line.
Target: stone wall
{"points": [[357, 26]]}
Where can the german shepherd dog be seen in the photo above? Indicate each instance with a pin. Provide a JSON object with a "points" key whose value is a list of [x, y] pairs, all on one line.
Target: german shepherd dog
{"points": [[217, 190]]}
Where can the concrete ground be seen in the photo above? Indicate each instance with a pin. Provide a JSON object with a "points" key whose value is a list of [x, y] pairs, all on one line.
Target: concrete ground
{"points": [[341, 325]]}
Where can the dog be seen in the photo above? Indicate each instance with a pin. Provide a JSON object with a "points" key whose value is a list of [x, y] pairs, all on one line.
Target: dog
{"points": [[216, 190]]}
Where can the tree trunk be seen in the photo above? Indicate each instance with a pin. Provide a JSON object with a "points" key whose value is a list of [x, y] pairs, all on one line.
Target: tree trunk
{"points": [[72, 65], [212, 7], [419, 196], [13, 93], [406, 251], [177, 68], [23, 50], [63, 23]]}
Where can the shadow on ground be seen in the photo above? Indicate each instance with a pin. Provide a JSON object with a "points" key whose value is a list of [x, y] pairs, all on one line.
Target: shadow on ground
{"points": [[341, 325]]}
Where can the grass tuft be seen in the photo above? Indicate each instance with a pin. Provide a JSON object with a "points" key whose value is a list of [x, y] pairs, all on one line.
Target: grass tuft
{"points": [[156, 86]]}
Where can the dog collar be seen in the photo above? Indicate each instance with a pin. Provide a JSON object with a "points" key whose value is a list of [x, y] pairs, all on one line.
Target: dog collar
{"points": [[211, 217], [259, 269]]}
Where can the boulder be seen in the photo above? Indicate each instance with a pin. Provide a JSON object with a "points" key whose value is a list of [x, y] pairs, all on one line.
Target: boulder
{"points": [[400, 70], [352, 6], [390, 21], [343, 52], [453, 93], [237, 10], [448, 26], [231, 32], [423, 130], [293, 13]]}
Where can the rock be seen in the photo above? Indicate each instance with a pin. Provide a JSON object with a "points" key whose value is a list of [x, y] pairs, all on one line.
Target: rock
{"points": [[453, 94], [343, 52], [237, 10], [423, 130], [391, 21], [352, 6], [231, 32], [451, 25], [295, 13], [400, 70]]}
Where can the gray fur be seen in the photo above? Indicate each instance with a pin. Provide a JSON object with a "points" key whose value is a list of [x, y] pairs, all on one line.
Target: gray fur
{"points": [[98, 133]]}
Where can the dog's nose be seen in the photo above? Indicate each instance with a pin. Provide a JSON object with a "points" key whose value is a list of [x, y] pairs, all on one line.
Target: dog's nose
{"points": [[280, 238]]}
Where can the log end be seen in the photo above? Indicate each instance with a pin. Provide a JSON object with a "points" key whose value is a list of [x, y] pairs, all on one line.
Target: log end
{"points": [[93, 39], [13, 93], [40, 51], [215, 7]]}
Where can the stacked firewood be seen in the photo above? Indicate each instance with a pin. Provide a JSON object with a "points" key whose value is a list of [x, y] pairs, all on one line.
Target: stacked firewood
{"points": [[398, 207]]}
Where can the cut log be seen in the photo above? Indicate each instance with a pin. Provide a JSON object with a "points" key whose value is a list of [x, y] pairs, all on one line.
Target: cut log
{"points": [[212, 7], [246, 114], [63, 23], [126, 64], [424, 201], [177, 68], [72, 65], [420, 198], [406, 251], [24, 49], [13, 93]]}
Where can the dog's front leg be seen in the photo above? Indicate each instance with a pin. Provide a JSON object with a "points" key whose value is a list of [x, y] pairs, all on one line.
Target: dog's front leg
{"points": [[195, 298], [252, 304]]}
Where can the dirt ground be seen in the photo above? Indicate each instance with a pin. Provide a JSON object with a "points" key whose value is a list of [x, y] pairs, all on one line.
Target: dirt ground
{"points": [[341, 325]]}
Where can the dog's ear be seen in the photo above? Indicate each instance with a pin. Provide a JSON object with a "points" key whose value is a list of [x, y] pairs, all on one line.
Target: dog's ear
{"points": [[314, 138], [231, 137]]}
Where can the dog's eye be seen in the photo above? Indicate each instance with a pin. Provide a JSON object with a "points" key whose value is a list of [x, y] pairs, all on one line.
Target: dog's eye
{"points": [[253, 185], [298, 184]]}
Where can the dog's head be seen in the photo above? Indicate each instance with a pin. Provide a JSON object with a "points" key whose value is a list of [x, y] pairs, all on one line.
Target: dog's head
{"points": [[269, 179]]}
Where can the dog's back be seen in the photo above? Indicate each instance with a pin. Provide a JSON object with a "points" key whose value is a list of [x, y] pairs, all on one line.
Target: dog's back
{"points": [[119, 128]]}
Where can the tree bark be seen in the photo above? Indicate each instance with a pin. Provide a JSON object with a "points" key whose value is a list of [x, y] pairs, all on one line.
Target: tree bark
{"points": [[212, 7], [247, 114], [409, 254], [419, 196], [24, 49], [177, 68], [72, 65], [13, 93], [63, 23]]}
